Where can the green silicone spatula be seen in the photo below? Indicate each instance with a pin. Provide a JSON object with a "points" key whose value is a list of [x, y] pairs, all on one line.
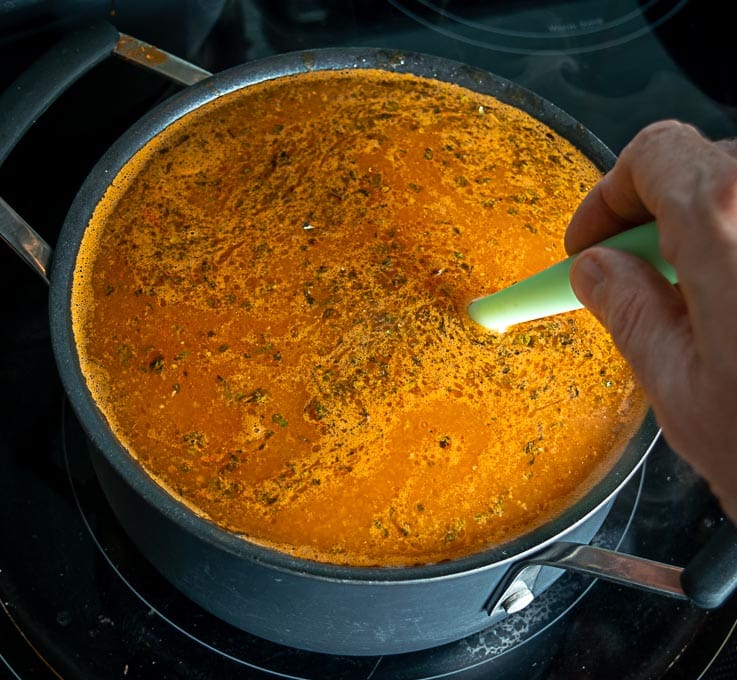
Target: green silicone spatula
{"points": [[549, 292]]}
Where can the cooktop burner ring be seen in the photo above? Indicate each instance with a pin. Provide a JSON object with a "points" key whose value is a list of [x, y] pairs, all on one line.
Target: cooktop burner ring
{"points": [[555, 31]]}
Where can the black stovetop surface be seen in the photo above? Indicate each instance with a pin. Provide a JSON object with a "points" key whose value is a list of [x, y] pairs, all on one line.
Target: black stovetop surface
{"points": [[79, 601]]}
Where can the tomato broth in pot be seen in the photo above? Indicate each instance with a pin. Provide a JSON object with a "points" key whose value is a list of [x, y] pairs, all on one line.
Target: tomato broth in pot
{"points": [[269, 308]]}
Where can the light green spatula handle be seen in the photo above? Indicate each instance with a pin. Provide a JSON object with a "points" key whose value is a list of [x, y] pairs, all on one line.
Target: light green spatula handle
{"points": [[549, 292]]}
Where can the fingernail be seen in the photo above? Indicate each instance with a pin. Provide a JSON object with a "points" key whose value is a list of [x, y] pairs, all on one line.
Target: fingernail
{"points": [[587, 278]]}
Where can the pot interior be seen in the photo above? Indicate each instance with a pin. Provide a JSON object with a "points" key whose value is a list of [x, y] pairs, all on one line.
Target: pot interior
{"points": [[92, 194]]}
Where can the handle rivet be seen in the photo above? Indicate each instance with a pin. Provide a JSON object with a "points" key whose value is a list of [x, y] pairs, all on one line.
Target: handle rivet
{"points": [[519, 597]]}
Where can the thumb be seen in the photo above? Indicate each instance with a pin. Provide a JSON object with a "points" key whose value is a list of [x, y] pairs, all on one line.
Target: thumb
{"points": [[644, 313]]}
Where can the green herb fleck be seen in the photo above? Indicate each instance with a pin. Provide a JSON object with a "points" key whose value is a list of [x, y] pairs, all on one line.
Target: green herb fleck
{"points": [[258, 396], [267, 498], [279, 419], [195, 441], [316, 410], [156, 365]]}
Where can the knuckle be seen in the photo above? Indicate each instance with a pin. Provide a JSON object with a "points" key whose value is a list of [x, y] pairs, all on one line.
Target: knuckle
{"points": [[723, 198], [714, 207], [653, 134]]}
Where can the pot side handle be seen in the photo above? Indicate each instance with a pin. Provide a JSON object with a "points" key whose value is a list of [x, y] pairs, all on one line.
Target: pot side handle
{"points": [[711, 575], [22, 104], [43, 83], [707, 581], [24, 240], [48, 78]]}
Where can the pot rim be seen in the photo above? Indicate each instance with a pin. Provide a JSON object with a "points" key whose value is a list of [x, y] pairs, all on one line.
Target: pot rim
{"points": [[192, 98]]}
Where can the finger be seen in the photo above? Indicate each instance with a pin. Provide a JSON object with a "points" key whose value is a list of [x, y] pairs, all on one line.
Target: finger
{"points": [[617, 202], [697, 219], [690, 184], [596, 219], [654, 176], [645, 315], [699, 239], [669, 170]]}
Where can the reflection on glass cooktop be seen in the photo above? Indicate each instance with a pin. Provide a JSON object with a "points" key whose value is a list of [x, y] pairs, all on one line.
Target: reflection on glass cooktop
{"points": [[613, 66], [534, 28]]}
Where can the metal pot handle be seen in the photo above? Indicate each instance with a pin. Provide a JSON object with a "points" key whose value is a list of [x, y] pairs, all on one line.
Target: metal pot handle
{"points": [[707, 581], [43, 83]]}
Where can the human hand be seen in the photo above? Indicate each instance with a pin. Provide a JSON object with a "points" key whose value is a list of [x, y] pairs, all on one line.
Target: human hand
{"points": [[681, 341]]}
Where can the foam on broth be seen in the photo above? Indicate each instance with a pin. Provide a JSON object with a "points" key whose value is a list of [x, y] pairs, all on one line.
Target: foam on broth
{"points": [[269, 304]]}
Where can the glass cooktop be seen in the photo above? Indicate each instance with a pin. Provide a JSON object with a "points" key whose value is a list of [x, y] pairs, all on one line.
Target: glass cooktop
{"points": [[77, 599]]}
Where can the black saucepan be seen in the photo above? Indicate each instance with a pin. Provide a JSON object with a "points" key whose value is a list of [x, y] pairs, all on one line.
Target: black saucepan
{"points": [[343, 610]]}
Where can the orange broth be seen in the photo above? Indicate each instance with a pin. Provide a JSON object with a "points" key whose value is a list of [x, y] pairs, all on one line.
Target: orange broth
{"points": [[269, 304]]}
